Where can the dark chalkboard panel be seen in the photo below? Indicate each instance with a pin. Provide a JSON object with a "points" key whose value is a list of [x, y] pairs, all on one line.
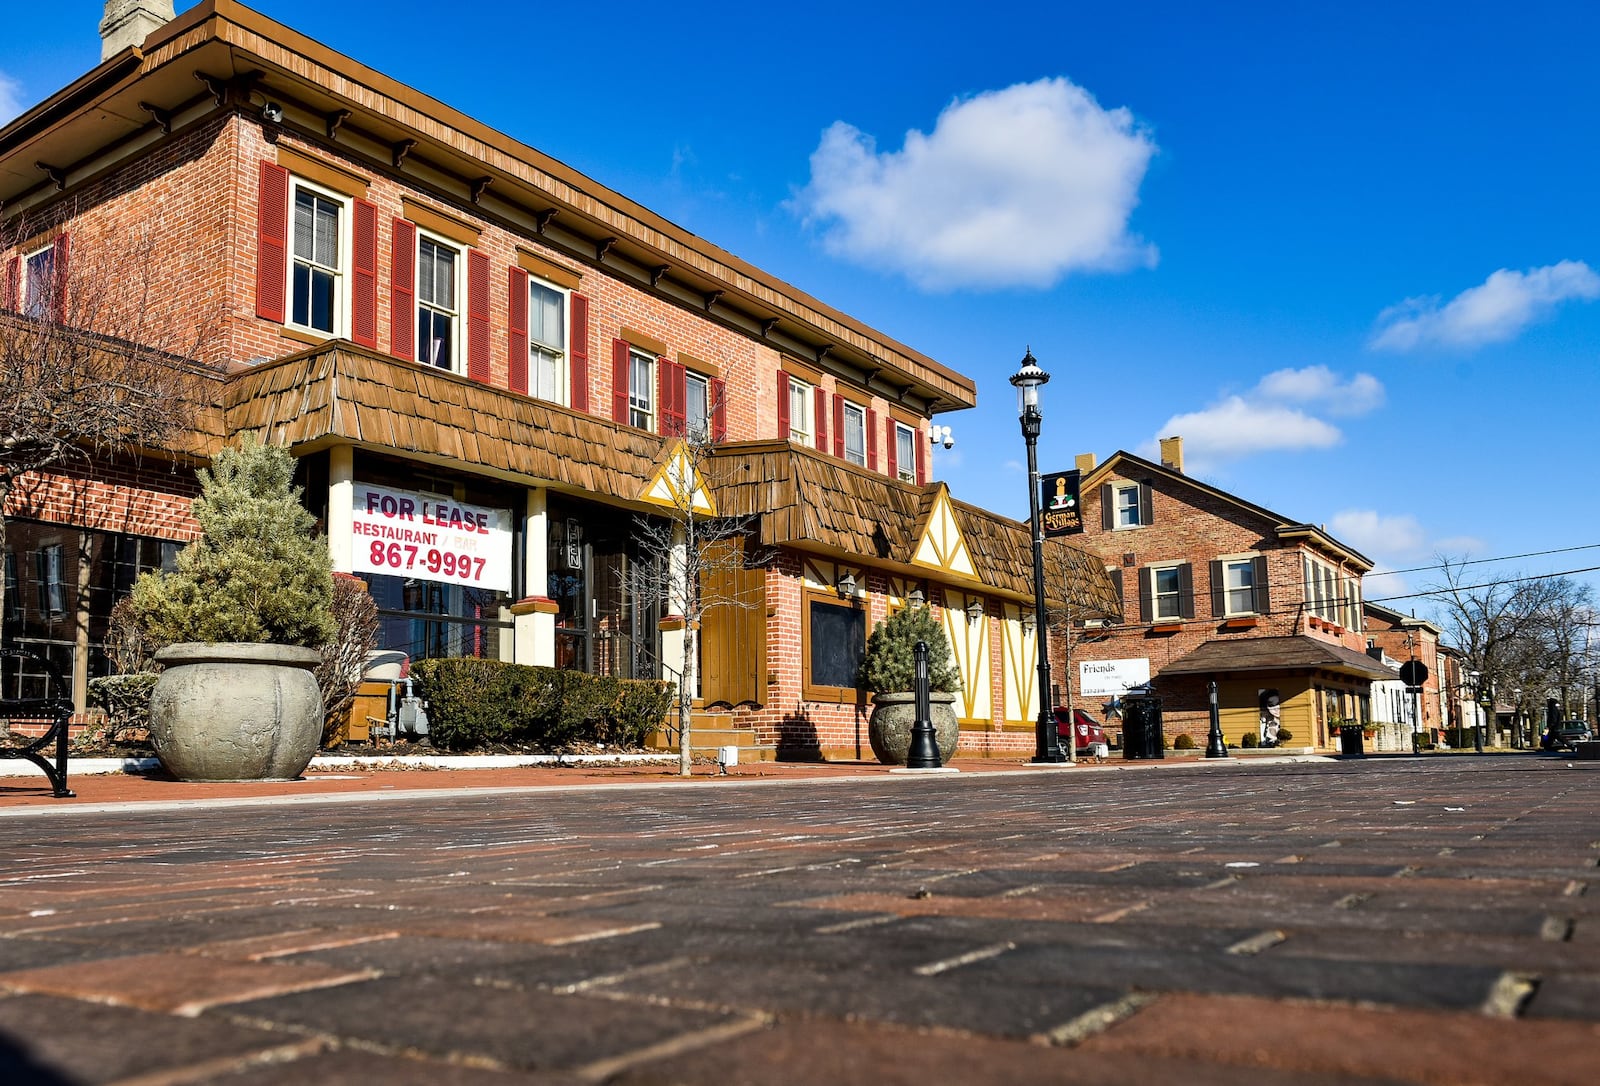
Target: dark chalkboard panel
{"points": [[838, 641]]}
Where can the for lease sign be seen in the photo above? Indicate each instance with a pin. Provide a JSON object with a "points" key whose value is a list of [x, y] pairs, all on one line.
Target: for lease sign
{"points": [[1112, 678], [430, 538]]}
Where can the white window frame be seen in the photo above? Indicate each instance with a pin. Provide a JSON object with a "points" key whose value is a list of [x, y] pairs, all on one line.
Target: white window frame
{"points": [[1157, 614], [1118, 508], [905, 452], [802, 411], [697, 392], [341, 272], [456, 363], [35, 301], [855, 431], [1229, 564], [550, 352], [642, 406]]}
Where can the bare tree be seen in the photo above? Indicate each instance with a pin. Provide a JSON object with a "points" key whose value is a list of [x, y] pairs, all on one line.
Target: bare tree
{"points": [[93, 362], [692, 557]]}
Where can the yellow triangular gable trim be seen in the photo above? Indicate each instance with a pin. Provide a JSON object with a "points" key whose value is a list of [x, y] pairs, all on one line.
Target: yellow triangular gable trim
{"points": [[941, 545], [678, 486]]}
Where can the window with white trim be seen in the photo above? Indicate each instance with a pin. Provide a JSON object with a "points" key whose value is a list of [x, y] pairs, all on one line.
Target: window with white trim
{"points": [[1166, 592], [802, 418], [318, 244], [1239, 586], [697, 405], [547, 341], [38, 281], [641, 390], [440, 267], [1125, 503], [855, 433], [905, 453]]}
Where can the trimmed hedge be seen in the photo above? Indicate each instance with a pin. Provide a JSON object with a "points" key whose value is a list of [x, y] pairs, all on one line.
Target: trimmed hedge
{"points": [[473, 703]]}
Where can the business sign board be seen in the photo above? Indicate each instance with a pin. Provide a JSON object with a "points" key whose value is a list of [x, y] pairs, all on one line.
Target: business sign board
{"points": [[1059, 506], [1112, 678], [430, 538]]}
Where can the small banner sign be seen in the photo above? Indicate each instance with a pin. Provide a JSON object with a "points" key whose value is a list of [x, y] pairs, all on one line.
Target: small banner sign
{"points": [[1060, 511]]}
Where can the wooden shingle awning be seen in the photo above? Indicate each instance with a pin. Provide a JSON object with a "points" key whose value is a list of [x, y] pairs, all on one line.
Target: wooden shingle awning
{"points": [[809, 501], [343, 394], [1296, 653]]}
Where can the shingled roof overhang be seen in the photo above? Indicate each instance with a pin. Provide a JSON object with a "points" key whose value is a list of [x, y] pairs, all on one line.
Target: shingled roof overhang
{"points": [[344, 394], [221, 56], [820, 504], [1296, 653]]}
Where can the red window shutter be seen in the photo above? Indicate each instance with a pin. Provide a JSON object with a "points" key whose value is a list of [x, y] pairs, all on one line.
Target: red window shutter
{"points": [[679, 383], [719, 410], [364, 276], [272, 244], [872, 440], [477, 315], [838, 425], [60, 259], [619, 381], [891, 447], [12, 284], [403, 291], [578, 374], [922, 460], [821, 412], [783, 406], [666, 399], [517, 329]]}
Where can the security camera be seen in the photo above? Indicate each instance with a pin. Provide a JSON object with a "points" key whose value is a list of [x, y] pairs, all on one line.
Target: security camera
{"points": [[272, 113]]}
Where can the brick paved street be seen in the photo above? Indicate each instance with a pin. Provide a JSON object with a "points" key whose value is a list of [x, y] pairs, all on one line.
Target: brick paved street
{"points": [[1432, 920]]}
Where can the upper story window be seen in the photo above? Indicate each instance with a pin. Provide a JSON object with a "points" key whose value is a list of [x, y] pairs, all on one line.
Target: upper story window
{"points": [[438, 306], [697, 405], [39, 282], [547, 342], [854, 418], [1166, 593], [1239, 586], [1331, 594], [641, 390], [802, 411], [316, 260], [905, 453], [1125, 505]]}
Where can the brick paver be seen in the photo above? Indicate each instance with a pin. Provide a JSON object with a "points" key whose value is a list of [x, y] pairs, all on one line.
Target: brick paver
{"points": [[1404, 920]]}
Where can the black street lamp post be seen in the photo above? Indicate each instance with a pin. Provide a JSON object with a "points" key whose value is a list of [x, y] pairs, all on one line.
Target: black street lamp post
{"points": [[1027, 381], [1216, 746]]}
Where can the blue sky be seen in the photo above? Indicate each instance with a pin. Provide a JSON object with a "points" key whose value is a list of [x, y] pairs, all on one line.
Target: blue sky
{"points": [[1348, 252]]}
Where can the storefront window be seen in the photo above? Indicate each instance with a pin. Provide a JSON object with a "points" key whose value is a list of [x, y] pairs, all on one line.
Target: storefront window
{"points": [[835, 642]]}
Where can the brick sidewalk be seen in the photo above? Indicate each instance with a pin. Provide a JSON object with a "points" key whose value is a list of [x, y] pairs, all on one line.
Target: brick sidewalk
{"points": [[1411, 920]]}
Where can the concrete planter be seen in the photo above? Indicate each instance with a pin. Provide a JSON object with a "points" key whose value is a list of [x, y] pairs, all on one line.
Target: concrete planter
{"points": [[889, 727], [229, 711]]}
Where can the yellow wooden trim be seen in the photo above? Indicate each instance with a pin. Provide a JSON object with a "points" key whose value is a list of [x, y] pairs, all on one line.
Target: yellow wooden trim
{"points": [[446, 226], [329, 175], [699, 365], [303, 337], [638, 339], [549, 272], [678, 486], [807, 373]]}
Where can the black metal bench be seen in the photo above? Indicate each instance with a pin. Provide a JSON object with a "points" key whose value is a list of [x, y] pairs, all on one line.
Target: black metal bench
{"points": [[55, 709]]}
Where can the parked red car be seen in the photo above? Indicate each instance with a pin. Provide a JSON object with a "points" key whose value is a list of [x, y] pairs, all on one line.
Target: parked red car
{"points": [[1085, 733]]}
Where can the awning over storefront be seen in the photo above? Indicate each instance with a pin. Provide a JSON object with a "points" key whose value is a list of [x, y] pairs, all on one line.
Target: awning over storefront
{"points": [[1297, 653]]}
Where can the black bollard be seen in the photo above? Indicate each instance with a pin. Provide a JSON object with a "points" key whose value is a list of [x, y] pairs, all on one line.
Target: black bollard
{"points": [[924, 752]]}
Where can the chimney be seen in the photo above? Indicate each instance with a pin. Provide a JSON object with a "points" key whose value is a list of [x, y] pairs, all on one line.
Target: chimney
{"points": [[129, 22], [1172, 453], [1086, 462]]}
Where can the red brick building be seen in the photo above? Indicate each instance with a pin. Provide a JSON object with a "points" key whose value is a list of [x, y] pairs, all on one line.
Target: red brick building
{"points": [[1217, 588], [448, 328]]}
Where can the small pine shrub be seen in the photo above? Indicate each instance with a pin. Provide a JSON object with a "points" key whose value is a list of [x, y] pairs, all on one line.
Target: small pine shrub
{"points": [[1185, 741], [257, 574], [889, 665], [1249, 740]]}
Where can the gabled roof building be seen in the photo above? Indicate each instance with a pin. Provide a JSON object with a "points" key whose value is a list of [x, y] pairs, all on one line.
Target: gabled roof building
{"points": [[447, 327]]}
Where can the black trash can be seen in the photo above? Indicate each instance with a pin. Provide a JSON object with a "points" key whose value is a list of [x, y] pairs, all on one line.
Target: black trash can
{"points": [[1142, 736], [1350, 741]]}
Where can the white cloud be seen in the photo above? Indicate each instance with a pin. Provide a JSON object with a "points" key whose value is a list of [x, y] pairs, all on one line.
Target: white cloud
{"points": [[1395, 537], [10, 99], [1280, 414], [1014, 187], [1497, 311]]}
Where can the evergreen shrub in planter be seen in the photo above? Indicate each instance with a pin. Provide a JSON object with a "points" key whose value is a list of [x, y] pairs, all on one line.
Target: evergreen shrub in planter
{"points": [[242, 618], [888, 669]]}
